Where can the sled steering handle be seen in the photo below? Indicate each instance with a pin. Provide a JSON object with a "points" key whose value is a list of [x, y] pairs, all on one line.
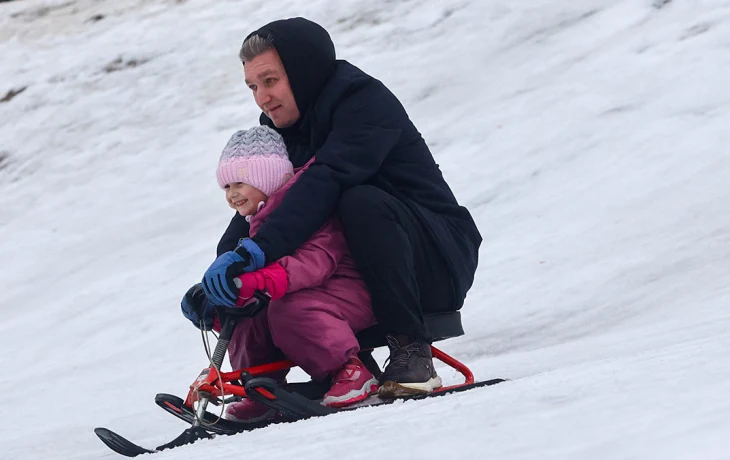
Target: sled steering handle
{"points": [[230, 317], [263, 297]]}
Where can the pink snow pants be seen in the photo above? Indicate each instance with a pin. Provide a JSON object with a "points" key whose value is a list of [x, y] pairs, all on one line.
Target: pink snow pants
{"points": [[312, 327]]}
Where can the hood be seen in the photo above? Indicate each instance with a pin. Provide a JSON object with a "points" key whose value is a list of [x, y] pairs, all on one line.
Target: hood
{"points": [[308, 55]]}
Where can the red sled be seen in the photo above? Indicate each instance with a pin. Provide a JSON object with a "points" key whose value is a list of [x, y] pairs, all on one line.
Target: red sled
{"points": [[292, 402]]}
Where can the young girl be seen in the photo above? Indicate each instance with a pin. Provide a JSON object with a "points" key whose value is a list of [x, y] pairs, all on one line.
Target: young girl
{"points": [[318, 300]]}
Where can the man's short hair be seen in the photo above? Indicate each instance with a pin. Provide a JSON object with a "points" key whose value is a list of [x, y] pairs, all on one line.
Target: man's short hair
{"points": [[255, 45]]}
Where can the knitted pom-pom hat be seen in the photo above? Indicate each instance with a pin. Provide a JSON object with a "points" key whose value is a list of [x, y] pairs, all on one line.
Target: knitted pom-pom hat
{"points": [[256, 157]]}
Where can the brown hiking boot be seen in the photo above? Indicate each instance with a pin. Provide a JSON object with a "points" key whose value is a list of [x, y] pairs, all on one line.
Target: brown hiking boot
{"points": [[410, 369]]}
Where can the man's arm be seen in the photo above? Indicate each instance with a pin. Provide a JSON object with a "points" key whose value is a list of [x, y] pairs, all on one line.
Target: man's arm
{"points": [[237, 229], [355, 149]]}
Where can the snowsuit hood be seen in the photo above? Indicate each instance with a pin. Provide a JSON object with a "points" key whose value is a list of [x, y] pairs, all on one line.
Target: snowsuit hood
{"points": [[308, 55]]}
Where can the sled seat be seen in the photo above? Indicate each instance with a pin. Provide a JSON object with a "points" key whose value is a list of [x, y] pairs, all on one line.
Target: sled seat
{"points": [[441, 325]]}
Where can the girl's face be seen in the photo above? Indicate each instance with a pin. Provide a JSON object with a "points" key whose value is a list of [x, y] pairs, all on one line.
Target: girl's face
{"points": [[244, 198]]}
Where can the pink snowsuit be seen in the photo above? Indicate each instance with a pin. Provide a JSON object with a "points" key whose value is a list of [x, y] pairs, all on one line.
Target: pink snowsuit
{"points": [[325, 305]]}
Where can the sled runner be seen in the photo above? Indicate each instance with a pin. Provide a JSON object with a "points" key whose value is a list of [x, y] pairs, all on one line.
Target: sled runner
{"points": [[292, 402]]}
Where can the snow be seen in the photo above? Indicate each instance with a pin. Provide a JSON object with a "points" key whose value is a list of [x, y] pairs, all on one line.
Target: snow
{"points": [[589, 139]]}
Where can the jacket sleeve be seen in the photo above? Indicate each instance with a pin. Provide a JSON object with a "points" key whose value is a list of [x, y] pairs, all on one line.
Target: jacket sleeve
{"points": [[316, 260], [237, 229], [363, 134]]}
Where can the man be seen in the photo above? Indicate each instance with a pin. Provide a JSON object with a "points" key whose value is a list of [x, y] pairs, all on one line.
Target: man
{"points": [[414, 246]]}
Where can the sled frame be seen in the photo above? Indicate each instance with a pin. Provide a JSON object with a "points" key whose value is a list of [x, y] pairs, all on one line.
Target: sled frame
{"points": [[217, 385]]}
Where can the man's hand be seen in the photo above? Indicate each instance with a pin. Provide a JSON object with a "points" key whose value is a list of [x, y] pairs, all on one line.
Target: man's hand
{"points": [[197, 309], [218, 281]]}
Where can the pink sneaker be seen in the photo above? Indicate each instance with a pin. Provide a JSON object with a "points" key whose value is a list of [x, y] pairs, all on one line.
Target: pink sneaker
{"points": [[248, 410], [353, 383]]}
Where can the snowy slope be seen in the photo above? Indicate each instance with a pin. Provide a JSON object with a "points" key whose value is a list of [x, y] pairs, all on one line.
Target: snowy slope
{"points": [[588, 138]]}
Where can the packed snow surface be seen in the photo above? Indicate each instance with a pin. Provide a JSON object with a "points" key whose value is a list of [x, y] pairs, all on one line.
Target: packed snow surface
{"points": [[588, 138]]}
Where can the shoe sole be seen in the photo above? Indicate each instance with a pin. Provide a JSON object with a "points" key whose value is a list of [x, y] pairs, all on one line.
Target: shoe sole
{"points": [[370, 387], [391, 389]]}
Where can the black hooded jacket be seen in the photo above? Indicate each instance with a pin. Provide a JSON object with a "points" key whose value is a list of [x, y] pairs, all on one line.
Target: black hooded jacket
{"points": [[360, 134]]}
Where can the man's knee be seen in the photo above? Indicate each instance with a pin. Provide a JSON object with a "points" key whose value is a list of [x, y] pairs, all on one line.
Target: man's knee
{"points": [[361, 203]]}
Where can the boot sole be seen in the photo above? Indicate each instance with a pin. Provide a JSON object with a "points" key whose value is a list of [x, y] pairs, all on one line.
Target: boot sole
{"points": [[391, 389], [355, 396]]}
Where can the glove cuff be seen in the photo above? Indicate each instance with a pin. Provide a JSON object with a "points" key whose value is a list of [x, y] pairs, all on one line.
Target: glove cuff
{"points": [[241, 251], [256, 254], [277, 280]]}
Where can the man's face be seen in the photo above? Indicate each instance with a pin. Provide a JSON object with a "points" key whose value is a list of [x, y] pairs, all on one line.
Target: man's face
{"points": [[266, 77]]}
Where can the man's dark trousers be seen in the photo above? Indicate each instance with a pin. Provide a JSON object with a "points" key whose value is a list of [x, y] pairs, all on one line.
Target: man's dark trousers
{"points": [[402, 268]]}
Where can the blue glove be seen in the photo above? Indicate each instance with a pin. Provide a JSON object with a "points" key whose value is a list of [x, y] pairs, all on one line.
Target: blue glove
{"points": [[219, 280], [197, 309]]}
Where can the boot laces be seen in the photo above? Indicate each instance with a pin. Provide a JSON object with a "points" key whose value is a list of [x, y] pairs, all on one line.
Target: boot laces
{"points": [[400, 355]]}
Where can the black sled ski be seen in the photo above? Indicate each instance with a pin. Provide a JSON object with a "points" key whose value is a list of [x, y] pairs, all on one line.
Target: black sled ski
{"points": [[127, 448]]}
